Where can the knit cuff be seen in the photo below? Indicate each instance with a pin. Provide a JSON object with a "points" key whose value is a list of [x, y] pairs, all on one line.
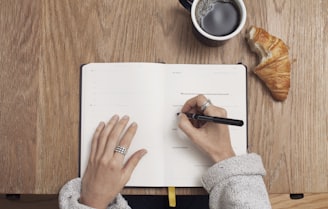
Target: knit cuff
{"points": [[70, 193], [243, 165]]}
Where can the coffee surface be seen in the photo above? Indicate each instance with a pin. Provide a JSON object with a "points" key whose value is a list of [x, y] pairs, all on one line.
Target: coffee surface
{"points": [[221, 19]]}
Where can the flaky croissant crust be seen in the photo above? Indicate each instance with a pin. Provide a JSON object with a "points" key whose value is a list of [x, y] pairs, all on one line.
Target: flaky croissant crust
{"points": [[274, 67]]}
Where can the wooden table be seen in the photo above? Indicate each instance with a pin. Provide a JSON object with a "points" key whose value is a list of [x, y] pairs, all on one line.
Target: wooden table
{"points": [[44, 42]]}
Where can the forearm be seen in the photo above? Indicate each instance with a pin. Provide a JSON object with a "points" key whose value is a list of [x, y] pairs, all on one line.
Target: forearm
{"points": [[237, 183], [69, 197]]}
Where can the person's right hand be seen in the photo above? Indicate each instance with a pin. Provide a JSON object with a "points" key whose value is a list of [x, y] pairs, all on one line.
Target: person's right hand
{"points": [[213, 138]]}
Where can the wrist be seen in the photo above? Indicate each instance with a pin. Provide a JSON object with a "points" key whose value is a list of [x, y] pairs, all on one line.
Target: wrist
{"points": [[224, 155], [94, 203]]}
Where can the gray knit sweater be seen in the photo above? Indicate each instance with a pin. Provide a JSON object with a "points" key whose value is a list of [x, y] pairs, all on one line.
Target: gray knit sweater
{"points": [[235, 183]]}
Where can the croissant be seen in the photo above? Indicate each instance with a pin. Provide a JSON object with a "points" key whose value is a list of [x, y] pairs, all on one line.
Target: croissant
{"points": [[274, 67]]}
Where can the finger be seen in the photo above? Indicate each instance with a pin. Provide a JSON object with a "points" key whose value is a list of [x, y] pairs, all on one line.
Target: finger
{"points": [[95, 138], [215, 111], [131, 164], [194, 103], [198, 101], [187, 127], [114, 136], [126, 139], [104, 135]]}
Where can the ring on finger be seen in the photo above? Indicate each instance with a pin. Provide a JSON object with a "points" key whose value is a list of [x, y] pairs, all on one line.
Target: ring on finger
{"points": [[205, 105], [121, 150]]}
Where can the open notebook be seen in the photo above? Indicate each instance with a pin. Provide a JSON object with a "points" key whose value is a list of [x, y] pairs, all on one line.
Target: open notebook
{"points": [[151, 94]]}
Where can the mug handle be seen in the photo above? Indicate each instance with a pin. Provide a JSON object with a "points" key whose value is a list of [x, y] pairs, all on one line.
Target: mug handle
{"points": [[186, 4]]}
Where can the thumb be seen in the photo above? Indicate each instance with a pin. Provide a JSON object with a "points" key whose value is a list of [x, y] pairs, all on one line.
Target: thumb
{"points": [[132, 163], [186, 126]]}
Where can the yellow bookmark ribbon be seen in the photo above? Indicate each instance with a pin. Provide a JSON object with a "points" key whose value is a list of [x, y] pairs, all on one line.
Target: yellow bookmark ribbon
{"points": [[172, 198]]}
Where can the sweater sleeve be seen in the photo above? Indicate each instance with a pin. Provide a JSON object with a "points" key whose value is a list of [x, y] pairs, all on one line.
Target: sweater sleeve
{"points": [[69, 196], [237, 183]]}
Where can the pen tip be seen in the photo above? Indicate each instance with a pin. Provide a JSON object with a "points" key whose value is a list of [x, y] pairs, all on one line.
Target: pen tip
{"points": [[178, 113]]}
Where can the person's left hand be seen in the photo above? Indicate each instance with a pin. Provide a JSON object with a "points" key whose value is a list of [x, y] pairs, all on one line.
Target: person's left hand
{"points": [[106, 174]]}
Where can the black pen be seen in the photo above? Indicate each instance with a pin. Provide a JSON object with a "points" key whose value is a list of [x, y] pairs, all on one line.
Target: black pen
{"points": [[226, 121]]}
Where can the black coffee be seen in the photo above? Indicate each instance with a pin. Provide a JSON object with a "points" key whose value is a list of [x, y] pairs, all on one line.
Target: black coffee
{"points": [[221, 19]]}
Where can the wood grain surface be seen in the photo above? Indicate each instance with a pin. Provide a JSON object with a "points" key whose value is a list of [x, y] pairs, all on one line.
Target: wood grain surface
{"points": [[43, 44]]}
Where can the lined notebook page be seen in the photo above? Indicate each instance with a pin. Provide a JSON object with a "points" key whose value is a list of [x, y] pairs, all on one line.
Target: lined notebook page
{"points": [[126, 89], [151, 94], [225, 86]]}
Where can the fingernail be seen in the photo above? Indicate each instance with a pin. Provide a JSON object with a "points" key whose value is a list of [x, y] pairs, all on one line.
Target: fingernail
{"points": [[125, 117], [134, 124], [100, 126], [143, 152], [180, 116], [114, 119]]}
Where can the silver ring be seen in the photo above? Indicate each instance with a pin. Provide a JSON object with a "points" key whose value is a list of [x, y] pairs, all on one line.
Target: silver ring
{"points": [[205, 105], [121, 150]]}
